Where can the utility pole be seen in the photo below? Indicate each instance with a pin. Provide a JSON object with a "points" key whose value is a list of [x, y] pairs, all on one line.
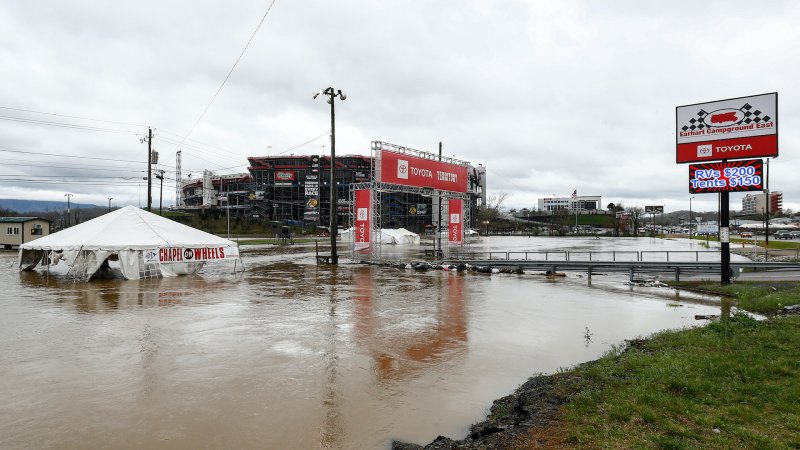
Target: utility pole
{"points": [[149, 163], [438, 235], [161, 193], [69, 219], [766, 209], [109, 203], [332, 94]]}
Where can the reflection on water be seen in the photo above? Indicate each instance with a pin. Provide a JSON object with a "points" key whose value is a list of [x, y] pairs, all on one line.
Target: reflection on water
{"points": [[294, 355]]}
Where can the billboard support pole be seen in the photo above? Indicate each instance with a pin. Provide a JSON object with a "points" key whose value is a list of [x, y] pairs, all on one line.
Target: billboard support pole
{"points": [[724, 237]]}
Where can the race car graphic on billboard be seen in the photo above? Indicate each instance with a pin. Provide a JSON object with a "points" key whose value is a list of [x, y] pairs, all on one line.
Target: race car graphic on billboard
{"points": [[745, 127], [730, 176]]}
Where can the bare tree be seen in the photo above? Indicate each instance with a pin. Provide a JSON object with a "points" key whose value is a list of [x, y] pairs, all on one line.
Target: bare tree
{"points": [[491, 211], [636, 217]]}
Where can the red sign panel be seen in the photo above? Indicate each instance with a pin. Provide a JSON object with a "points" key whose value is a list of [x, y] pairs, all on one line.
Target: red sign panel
{"points": [[744, 127], [730, 176], [407, 170], [284, 176], [455, 232], [363, 228]]}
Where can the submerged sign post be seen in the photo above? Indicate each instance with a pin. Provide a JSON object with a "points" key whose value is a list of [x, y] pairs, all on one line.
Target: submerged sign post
{"points": [[732, 129]]}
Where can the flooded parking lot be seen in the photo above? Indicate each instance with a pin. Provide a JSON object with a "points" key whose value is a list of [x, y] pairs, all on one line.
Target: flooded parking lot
{"points": [[294, 355]]}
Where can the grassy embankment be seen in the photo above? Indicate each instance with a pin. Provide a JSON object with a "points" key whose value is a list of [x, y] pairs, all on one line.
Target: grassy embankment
{"points": [[734, 383], [773, 243]]}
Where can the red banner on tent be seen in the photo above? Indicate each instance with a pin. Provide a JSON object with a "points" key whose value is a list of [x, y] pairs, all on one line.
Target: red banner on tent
{"points": [[362, 223], [455, 234]]}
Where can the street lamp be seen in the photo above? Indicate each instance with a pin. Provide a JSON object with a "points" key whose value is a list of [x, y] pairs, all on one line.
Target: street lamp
{"points": [[486, 224], [690, 217], [109, 203], [332, 94]]}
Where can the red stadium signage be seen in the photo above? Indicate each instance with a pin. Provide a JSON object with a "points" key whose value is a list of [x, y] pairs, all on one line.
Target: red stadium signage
{"points": [[744, 127], [455, 233], [729, 176], [363, 228], [284, 175], [407, 170]]}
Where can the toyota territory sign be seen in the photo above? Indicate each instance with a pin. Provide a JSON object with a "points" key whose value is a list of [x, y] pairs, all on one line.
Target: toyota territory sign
{"points": [[744, 127], [730, 176], [407, 170]]}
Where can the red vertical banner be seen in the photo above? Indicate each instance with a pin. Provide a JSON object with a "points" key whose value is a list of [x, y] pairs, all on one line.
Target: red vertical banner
{"points": [[455, 233], [363, 226]]}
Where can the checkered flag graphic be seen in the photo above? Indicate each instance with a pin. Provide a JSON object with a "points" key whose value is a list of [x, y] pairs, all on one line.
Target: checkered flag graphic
{"points": [[698, 123], [752, 116]]}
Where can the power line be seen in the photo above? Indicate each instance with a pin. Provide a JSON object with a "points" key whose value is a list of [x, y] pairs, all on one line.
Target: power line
{"points": [[66, 125], [72, 156], [304, 143], [228, 75], [72, 167], [71, 117]]}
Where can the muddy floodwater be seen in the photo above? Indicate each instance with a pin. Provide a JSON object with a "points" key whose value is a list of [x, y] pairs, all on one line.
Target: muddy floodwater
{"points": [[295, 355]]}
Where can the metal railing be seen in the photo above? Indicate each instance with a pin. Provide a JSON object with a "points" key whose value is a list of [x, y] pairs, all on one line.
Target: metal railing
{"points": [[591, 255]]}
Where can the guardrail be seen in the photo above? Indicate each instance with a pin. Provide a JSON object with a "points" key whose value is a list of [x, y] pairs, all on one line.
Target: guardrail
{"points": [[590, 255], [632, 267]]}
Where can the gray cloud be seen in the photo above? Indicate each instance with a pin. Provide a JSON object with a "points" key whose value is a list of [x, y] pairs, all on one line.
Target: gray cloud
{"points": [[551, 97]]}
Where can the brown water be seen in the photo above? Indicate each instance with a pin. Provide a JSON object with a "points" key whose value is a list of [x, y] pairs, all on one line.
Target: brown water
{"points": [[291, 354]]}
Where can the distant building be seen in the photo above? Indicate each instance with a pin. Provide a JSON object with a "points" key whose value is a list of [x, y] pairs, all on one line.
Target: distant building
{"points": [[15, 231], [579, 203], [753, 204]]}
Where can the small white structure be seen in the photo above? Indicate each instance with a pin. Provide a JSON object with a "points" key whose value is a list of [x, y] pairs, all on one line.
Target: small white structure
{"points": [[392, 236], [146, 245]]}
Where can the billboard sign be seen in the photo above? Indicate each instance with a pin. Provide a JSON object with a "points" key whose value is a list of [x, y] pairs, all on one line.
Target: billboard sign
{"points": [[455, 232], [744, 127], [654, 209], [311, 188], [363, 223], [730, 176], [408, 170], [284, 177], [181, 254]]}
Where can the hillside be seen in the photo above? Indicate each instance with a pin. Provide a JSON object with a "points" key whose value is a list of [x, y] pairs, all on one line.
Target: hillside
{"points": [[26, 206]]}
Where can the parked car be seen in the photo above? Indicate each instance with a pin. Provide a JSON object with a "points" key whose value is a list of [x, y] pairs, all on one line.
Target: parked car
{"points": [[796, 234], [783, 234], [745, 234]]}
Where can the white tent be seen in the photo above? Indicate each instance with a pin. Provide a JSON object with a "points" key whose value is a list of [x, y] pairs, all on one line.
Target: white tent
{"points": [[145, 244], [393, 236]]}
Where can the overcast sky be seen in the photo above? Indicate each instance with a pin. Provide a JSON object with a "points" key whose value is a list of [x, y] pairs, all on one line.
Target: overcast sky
{"points": [[550, 96]]}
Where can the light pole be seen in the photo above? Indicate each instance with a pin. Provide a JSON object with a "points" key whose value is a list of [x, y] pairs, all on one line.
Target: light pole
{"points": [[109, 203], [161, 190], [690, 217], [69, 220], [332, 94]]}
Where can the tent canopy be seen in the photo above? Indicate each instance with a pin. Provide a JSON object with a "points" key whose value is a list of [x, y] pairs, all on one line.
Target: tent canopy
{"points": [[145, 244], [127, 228]]}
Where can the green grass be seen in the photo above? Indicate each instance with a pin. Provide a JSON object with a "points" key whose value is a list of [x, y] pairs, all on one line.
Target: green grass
{"points": [[773, 243], [754, 296], [731, 384]]}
